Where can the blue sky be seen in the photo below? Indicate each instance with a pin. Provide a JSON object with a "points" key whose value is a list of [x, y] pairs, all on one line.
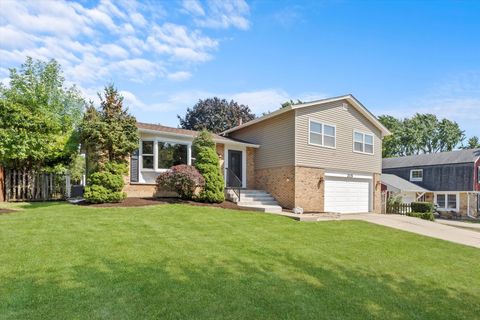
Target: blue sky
{"points": [[397, 57]]}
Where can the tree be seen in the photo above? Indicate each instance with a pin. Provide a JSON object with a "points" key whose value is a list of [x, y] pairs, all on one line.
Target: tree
{"points": [[215, 115], [423, 133], [472, 143], [290, 103], [39, 117], [109, 135], [208, 165]]}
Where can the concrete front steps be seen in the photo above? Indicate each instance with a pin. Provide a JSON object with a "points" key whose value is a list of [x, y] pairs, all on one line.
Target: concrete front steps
{"points": [[255, 200]]}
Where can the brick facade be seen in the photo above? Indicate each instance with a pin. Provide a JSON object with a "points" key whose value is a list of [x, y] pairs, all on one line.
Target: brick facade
{"points": [[309, 189], [279, 182], [465, 203]]}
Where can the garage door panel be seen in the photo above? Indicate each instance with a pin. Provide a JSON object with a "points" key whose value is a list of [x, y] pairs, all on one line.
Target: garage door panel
{"points": [[347, 195]]}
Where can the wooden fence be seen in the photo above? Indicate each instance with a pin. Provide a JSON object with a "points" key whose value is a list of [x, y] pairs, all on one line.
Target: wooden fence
{"points": [[24, 185], [398, 208]]}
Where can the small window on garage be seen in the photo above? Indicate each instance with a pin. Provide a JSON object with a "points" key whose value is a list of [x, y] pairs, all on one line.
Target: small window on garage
{"points": [[362, 142], [322, 134], [416, 175]]}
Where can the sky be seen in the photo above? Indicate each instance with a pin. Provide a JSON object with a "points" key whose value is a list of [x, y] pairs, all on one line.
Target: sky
{"points": [[396, 57]]}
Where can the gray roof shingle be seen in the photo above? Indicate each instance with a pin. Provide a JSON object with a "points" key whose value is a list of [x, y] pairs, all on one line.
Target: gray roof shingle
{"points": [[400, 183], [431, 159]]}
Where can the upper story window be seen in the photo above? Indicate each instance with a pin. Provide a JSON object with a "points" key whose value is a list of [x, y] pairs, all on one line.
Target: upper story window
{"points": [[478, 174], [171, 154], [363, 142], [416, 175], [321, 134], [147, 155]]}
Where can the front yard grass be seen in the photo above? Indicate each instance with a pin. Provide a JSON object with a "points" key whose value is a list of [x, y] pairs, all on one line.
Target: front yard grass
{"points": [[60, 261]]}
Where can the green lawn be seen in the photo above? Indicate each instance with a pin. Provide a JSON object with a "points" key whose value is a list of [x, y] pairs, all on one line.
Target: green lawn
{"points": [[60, 261]]}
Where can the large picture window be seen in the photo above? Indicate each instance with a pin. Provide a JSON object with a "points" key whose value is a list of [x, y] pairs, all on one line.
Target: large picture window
{"points": [[321, 134], [171, 154], [363, 142], [147, 155]]}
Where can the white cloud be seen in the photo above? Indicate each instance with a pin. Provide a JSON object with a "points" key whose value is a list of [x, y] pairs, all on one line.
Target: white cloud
{"points": [[223, 14], [114, 51], [110, 40], [179, 76], [193, 7]]}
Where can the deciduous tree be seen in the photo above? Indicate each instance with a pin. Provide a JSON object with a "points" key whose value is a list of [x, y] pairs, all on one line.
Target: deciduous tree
{"points": [[215, 115]]}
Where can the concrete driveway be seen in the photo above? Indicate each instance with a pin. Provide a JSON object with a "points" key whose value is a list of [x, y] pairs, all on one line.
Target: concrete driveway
{"points": [[419, 226]]}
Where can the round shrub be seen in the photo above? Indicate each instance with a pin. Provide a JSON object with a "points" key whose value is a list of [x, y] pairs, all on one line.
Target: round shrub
{"points": [[96, 194], [182, 179], [110, 181], [422, 215]]}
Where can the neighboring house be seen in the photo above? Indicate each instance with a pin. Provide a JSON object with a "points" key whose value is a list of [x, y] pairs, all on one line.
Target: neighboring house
{"points": [[406, 190], [322, 156], [451, 180]]}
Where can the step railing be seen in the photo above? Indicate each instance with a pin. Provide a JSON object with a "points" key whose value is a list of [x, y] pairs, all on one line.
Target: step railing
{"points": [[234, 183]]}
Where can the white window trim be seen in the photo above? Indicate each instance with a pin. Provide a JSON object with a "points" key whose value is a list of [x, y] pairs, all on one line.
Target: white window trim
{"points": [[363, 133], [244, 163], [323, 124], [141, 155], [457, 206], [155, 153], [416, 179]]}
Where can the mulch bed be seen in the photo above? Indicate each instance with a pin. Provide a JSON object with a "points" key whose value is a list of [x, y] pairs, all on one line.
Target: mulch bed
{"points": [[141, 202], [5, 211]]}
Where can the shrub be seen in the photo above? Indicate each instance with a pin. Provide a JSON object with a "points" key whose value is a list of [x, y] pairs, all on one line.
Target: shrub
{"points": [[100, 194], [423, 207], [106, 184], [208, 165], [182, 179], [110, 181], [422, 215]]}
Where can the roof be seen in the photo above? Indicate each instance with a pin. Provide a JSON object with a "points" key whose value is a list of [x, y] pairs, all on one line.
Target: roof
{"points": [[431, 159], [150, 127], [401, 184], [350, 98]]}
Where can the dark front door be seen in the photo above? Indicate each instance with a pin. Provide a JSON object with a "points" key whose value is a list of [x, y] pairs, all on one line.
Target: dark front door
{"points": [[234, 172]]}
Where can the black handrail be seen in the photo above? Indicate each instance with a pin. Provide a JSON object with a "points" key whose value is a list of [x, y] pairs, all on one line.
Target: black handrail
{"points": [[237, 183]]}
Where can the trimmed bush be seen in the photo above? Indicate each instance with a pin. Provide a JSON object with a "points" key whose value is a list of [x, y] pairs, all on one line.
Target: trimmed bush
{"points": [[106, 184], [108, 180], [422, 207], [422, 215], [182, 179], [208, 164], [100, 194]]}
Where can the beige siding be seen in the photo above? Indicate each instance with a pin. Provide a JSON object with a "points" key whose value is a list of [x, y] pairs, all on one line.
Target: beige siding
{"points": [[342, 157], [276, 139]]}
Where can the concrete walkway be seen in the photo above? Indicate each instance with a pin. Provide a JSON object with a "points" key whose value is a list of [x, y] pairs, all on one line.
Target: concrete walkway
{"points": [[410, 224], [460, 224]]}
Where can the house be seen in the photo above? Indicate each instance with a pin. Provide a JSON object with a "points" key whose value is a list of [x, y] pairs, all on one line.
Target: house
{"points": [[322, 156], [451, 180]]}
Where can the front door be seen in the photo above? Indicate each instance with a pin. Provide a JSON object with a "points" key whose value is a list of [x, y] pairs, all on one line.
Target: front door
{"points": [[234, 171]]}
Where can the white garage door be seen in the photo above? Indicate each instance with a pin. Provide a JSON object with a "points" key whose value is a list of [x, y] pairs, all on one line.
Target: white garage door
{"points": [[347, 195]]}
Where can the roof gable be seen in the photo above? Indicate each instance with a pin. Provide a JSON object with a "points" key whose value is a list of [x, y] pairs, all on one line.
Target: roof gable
{"points": [[350, 98]]}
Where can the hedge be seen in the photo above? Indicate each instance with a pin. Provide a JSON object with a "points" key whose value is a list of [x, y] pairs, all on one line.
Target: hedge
{"points": [[422, 207], [422, 215]]}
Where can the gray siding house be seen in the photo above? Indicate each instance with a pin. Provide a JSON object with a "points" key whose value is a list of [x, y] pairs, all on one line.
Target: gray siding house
{"points": [[452, 179]]}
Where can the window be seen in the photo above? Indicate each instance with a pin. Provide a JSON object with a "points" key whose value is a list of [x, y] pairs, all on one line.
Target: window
{"points": [[416, 175], [441, 200], [478, 174], [363, 142], [171, 154], [446, 201], [147, 155], [452, 201], [322, 134]]}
